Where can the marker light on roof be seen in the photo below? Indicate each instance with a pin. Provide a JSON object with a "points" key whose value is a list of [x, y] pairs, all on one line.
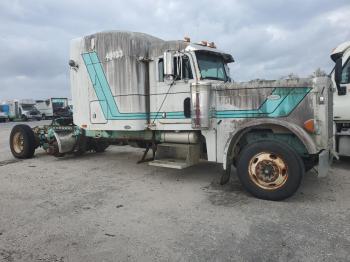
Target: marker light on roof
{"points": [[211, 45]]}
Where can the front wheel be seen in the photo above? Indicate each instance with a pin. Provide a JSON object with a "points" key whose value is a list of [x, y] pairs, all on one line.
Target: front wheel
{"points": [[22, 141], [270, 170]]}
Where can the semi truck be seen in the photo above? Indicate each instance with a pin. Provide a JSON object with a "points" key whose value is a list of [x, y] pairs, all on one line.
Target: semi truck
{"points": [[341, 78], [176, 100], [53, 107], [23, 109]]}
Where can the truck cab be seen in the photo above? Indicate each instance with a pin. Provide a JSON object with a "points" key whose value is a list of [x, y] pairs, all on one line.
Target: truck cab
{"points": [[27, 110], [23, 109], [341, 79], [54, 107], [175, 73]]}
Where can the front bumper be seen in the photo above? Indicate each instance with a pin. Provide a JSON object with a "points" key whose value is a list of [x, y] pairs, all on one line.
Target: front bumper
{"points": [[325, 159], [33, 116]]}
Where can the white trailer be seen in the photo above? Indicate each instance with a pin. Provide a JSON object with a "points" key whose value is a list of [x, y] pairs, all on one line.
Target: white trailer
{"points": [[53, 107], [176, 99], [341, 77]]}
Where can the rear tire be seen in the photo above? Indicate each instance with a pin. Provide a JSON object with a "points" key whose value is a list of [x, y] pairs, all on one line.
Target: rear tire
{"points": [[99, 145], [22, 142], [82, 146], [270, 170]]}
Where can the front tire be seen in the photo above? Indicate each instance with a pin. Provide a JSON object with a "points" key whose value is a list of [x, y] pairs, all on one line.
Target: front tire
{"points": [[22, 142], [270, 170]]}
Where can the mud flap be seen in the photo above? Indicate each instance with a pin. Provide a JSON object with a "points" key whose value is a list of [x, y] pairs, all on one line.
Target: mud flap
{"points": [[226, 174]]}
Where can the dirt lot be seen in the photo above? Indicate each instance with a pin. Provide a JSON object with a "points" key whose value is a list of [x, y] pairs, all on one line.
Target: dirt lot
{"points": [[104, 207]]}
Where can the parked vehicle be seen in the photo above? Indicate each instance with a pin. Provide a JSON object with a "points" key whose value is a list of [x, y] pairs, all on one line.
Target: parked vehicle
{"points": [[53, 107], [176, 99], [4, 113], [341, 77], [23, 109]]}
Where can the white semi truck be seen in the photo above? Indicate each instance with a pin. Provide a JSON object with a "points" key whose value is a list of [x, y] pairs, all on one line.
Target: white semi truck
{"points": [[176, 99], [23, 109], [341, 77], [53, 107]]}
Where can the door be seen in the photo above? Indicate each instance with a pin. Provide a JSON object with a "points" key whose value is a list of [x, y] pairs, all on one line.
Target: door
{"points": [[170, 98], [341, 102]]}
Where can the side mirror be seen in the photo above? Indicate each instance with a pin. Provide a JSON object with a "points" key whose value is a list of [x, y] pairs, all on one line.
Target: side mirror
{"points": [[337, 77], [168, 63]]}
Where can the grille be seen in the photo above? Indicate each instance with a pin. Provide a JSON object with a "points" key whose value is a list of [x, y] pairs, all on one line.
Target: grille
{"points": [[33, 113]]}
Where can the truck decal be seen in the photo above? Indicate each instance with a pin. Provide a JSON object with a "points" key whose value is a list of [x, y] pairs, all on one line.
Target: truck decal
{"points": [[283, 103], [105, 96], [280, 103]]}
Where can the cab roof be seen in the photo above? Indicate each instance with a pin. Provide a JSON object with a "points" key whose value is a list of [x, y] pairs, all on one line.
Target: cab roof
{"points": [[197, 47]]}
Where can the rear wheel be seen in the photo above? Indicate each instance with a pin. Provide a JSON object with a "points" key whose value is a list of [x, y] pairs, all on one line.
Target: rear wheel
{"points": [[270, 170], [22, 141]]}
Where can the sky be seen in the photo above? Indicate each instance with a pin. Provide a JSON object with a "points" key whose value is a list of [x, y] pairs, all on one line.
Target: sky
{"points": [[268, 38]]}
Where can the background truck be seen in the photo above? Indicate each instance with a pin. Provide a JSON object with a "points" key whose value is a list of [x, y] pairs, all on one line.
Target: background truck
{"points": [[341, 77], [4, 113], [176, 99], [53, 107], [23, 109]]}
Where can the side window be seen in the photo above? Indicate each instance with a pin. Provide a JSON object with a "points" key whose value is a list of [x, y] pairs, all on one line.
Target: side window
{"points": [[181, 71], [345, 75], [186, 68]]}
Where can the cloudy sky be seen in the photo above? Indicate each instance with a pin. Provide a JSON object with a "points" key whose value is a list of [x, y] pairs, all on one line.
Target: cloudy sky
{"points": [[268, 38]]}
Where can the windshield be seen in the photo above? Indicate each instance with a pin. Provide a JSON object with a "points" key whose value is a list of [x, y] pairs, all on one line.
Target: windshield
{"points": [[27, 107], [59, 103], [211, 66]]}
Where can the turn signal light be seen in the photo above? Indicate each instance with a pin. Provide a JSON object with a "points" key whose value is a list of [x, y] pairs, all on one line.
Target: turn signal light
{"points": [[309, 125]]}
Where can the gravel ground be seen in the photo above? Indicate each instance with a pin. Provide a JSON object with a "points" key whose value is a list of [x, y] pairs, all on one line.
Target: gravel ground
{"points": [[105, 207]]}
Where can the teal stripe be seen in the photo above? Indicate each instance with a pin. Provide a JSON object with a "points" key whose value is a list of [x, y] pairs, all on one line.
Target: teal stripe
{"points": [[289, 98]]}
